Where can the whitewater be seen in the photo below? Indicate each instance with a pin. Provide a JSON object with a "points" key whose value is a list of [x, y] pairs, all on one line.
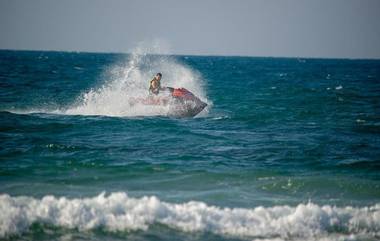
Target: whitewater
{"points": [[119, 212], [130, 81]]}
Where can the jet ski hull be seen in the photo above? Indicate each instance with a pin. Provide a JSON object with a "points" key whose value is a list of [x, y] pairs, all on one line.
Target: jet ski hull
{"points": [[181, 103], [186, 104]]}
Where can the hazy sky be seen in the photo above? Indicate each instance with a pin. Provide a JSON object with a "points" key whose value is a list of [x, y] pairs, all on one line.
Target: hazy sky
{"points": [[306, 28]]}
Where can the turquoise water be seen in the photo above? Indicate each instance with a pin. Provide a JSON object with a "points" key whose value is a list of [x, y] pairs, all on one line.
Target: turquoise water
{"points": [[288, 149]]}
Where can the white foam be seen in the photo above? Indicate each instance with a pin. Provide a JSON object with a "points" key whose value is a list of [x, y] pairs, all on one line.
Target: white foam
{"points": [[119, 212], [131, 80]]}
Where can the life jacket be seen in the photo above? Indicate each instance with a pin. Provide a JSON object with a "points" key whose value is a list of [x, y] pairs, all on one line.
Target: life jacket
{"points": [[152, 89]]}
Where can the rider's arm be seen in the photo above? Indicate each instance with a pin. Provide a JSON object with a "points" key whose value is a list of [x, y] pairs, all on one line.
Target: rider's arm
{"points": [[167, 88]]}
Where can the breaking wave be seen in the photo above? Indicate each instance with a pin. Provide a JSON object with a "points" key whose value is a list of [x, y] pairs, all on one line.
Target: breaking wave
{"points": [[119, 212], [131, 81]]}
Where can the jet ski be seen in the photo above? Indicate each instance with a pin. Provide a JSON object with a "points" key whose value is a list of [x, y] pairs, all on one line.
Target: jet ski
{"points": [[181, 102], [186, 104]]}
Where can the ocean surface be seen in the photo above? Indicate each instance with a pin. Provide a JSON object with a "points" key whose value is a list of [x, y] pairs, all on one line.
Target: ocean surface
{"points": [[287, 149]]}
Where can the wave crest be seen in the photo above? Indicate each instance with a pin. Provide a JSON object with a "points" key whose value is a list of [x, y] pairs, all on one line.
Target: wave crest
{"points": [[119, 212]]}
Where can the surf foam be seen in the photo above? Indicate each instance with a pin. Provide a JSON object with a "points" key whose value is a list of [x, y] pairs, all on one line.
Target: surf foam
{"points": [[119, 212], [131, 80]]}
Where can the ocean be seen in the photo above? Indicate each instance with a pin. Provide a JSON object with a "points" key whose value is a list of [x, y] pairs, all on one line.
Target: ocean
{"points": [[287, 148]]}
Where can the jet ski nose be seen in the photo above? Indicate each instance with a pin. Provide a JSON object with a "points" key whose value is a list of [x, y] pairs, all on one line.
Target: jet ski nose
{"points": [[202, 105]]}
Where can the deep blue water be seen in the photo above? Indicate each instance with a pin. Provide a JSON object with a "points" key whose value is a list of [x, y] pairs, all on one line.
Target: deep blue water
{"points": [[303, 133]]}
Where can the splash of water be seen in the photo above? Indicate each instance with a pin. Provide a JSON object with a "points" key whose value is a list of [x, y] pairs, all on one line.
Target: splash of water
{"points": [[131, 81]]}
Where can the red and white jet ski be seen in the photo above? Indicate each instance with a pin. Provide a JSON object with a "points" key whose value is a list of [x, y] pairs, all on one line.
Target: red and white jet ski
{"points": [[181, 102]]}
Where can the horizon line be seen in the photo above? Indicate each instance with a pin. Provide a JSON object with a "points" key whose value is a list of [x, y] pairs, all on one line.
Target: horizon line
{"points": [[191, 55]]}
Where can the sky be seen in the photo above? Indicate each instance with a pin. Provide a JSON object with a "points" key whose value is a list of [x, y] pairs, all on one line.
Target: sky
{"points": [[282, 28]]}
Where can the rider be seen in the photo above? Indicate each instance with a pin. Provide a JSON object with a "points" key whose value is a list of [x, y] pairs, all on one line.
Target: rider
{"points": [[155, 85]]}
